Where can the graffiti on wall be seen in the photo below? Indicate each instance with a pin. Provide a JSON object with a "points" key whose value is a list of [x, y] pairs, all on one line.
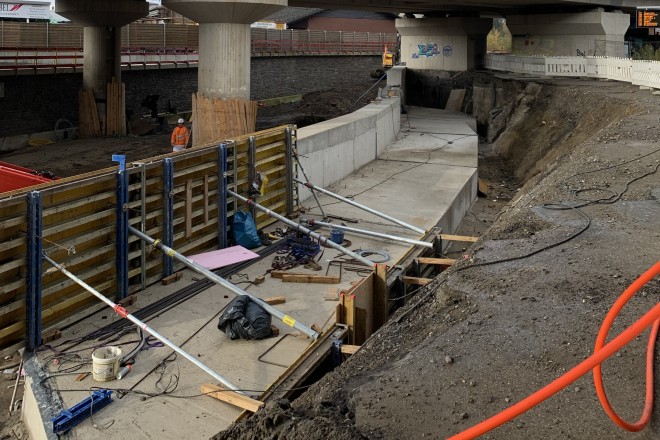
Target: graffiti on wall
{"points": [[430, 50], [426, 50]]}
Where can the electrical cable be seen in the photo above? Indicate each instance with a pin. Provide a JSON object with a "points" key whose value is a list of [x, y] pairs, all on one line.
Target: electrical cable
{"points": [[560, 206], [602, 352]]}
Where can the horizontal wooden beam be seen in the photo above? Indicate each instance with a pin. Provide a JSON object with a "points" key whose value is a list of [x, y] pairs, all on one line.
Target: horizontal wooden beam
{"points": [[296, 277], [275, 300], [349, 349], [467, 238], [437, 261], [231, 397], [416, 281]]}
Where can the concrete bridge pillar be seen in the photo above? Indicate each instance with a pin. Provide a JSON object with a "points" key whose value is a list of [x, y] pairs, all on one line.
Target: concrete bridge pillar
{"points": [[594, 33], [224, 62], [451, 44], [102, 22]]}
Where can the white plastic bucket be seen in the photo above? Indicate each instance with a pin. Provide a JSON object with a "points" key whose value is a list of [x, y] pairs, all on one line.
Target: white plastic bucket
{"points": [[105, 363]]}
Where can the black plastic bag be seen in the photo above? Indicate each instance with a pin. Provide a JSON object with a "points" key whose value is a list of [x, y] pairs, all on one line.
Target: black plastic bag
{"points": [[245, 319]]}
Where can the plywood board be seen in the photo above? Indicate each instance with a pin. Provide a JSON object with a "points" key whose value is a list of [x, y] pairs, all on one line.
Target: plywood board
{"points": [[455, 101]]}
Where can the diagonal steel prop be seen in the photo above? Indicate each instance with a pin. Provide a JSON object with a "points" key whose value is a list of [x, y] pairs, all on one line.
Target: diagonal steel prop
{"points": [[313, 187], [121, 311], [288, 320], [371, 233], [318, 202], [323, 240]]}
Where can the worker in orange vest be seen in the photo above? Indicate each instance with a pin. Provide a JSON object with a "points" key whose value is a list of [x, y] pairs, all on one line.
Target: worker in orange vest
{"points": [[180, 137]]}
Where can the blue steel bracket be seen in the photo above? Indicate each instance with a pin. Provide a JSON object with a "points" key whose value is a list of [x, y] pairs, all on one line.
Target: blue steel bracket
{"points": [[34, 270], [121, 231], [222, 196], [168, 213], [71, 417], [121, 159]]}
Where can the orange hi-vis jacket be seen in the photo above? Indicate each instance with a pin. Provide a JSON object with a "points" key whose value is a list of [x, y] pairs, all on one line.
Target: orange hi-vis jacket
{"points": [[180, 136]]}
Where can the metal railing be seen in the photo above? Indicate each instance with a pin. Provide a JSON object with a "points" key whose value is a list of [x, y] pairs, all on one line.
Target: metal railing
{"points": [[22, 61]]}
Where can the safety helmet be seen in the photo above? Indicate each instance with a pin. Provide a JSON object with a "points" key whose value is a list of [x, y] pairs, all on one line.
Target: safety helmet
{"points": [[180, 121]]}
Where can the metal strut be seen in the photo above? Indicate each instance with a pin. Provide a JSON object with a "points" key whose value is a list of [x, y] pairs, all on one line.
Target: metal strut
{"points": [[318, 202], [121, 311], [363, 207], [288, 320], [304, 230], [372, 233]]}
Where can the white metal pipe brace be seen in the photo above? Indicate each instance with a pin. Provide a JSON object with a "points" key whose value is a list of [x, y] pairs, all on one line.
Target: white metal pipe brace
{"points": [[121, 311], [313, 187], [323, 240], [288, 320], [372, 233]]}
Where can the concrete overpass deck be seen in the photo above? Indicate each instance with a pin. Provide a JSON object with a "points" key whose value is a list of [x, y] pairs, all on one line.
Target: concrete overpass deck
{"points": [[427, 177]]}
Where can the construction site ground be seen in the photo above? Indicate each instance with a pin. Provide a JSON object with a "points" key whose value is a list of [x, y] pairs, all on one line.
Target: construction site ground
{"points": [[254, 365], [480, 339]]}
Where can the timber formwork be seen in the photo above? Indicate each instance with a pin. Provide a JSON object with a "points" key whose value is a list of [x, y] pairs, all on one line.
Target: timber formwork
{"points": [[82, 222]]}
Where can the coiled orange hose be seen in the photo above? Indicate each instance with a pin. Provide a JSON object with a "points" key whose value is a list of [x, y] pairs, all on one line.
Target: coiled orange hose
{"points": [[601, 354], [650, 352]]}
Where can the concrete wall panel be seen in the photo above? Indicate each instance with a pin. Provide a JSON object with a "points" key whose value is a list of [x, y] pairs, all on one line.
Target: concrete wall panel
{"points": [[364, 149], [333, 149]]}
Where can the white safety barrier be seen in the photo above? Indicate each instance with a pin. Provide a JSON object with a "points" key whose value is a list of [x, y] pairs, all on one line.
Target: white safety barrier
{"points": [[637, 72]]}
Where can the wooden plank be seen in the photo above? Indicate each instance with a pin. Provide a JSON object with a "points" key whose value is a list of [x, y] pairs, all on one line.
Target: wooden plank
{"points": [[416, 281], [275, 300], [381, 300], [296, 375], [349, 315], [305, 278], [482, 188], [446, 262], [349, 349], [466, 238], [455, 101], [96, 123], [231, 397], [360, 330], [172, 278]]}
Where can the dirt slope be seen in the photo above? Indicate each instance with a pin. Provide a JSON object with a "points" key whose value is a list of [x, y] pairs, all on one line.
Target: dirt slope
{"points": [[482, 338]]}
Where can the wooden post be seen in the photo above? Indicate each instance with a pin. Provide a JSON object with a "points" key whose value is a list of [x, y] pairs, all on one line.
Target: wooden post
{"points": [[381, 300]]}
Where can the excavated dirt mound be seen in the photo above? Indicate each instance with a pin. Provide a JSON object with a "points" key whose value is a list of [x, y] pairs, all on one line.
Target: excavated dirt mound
{"points": [[525, 303]]}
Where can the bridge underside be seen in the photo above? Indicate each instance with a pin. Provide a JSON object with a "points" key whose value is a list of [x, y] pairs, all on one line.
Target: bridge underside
{"points": [[440, 8]]}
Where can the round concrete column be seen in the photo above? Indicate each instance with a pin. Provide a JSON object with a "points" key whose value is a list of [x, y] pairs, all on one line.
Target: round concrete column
{"points": [[102, 51], [224, 61], [224, 41]]}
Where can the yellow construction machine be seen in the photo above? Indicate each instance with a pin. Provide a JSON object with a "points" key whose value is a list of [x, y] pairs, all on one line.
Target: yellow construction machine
{"points": [[388, 62]]}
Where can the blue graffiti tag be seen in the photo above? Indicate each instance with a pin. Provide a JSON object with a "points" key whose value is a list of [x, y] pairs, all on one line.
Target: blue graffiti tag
{"points": [[447, 51], [426, 50]]}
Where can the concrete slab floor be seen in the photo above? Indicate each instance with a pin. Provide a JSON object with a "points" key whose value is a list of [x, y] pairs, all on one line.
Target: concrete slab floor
{"points": [[420, 180]]}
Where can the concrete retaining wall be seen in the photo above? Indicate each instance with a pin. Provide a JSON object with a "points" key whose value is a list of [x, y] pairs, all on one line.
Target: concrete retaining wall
{"points": [[334, 149]]}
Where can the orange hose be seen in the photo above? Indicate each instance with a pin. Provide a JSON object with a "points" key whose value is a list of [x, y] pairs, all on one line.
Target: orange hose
{"points": [[598, 379], [651, 317]]}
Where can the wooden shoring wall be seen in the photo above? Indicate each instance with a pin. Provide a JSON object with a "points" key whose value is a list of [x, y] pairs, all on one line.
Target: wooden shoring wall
{"points": [[270, 162], [79, 223], [78, 231]]}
